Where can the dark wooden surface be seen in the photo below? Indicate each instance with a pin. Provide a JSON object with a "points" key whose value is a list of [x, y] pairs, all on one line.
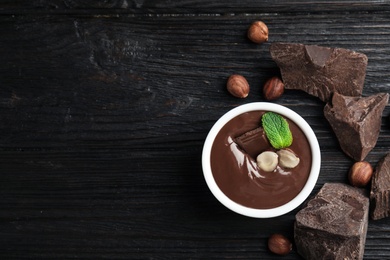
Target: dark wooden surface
{"points": [[104, 107]]}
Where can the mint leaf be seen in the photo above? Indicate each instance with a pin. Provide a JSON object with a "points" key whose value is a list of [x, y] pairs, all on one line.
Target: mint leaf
{"points": [[277, 130]]}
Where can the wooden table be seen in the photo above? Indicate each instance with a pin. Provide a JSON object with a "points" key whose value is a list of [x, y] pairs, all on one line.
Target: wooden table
{"points": [[105, 105]]}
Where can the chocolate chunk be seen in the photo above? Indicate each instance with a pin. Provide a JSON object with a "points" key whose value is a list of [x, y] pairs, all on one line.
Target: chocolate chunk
{"points": [[333, 225], [320, 71], [356, 122], [318, 55], [253, 142], [380, 189]]}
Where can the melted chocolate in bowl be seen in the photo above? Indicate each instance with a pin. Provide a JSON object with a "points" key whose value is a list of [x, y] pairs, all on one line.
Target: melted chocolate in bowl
{"points": [[238, 176]]}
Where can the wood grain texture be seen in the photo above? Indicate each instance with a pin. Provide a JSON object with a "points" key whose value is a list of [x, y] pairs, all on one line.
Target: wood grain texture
{"points": [[105, 105], [192, 7]]}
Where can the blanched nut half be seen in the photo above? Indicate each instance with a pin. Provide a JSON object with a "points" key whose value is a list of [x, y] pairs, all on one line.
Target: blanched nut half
{"points": [[287, 158], [267, 161]]}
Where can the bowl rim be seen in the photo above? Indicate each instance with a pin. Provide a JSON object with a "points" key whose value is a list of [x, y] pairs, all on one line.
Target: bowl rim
{"points": [[252, 212]]}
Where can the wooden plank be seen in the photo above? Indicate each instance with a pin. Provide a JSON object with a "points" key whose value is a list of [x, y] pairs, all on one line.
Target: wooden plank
{"points": [[191, 7]]}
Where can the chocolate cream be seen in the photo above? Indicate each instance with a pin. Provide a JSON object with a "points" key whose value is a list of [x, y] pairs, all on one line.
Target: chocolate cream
{"points": [[236, 172]]}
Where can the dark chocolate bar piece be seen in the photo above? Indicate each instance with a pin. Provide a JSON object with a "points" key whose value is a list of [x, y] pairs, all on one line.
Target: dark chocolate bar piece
{"points": [[253, 142], [380, 189], [333, 225], [320, 71], [356, 122]]}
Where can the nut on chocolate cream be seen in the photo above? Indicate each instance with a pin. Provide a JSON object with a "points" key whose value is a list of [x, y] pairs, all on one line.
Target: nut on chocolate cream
{"points": [[235, 170], [333, 224], [380, 189], [356, 121], [320, 71]]}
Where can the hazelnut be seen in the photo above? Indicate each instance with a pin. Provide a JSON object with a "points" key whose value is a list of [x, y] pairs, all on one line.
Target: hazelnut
{"points": [[273, 88], [287, 158], [267, 161], [258, 32], [360, 174], [279, 244], [238, 86]]}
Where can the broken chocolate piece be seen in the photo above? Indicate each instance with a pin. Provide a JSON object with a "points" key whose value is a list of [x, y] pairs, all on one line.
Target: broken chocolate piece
{"points": [[333, 225], [320, 71], [380, 189], [318, 55], [253, 142], [356, 122]]}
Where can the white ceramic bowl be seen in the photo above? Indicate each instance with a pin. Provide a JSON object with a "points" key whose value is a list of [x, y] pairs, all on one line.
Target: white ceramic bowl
{"points": [[252, 212]]}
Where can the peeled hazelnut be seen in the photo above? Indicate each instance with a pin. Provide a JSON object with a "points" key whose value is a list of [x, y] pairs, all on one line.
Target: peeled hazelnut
{"points": [[267, 161], [258, 32], [273, 88], [360, 174], [279, 244], [238, 86], [287, 158]]}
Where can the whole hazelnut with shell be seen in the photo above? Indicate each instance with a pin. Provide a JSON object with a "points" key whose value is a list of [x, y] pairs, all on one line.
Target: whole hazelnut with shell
{"points": [[238, 86], [279, 244], [273, 88], [258, 32], [360, 174]]}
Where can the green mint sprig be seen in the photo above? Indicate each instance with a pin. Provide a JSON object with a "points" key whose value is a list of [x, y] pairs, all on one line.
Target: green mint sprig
{"points": [[277, 130]]}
